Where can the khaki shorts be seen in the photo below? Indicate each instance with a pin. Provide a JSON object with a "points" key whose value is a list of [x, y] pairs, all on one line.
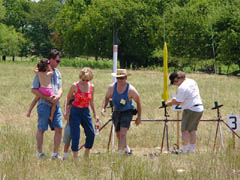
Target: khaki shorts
{"points": [[190, 120]]}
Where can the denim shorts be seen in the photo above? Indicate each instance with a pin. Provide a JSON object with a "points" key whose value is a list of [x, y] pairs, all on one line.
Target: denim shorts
{"points": [[44, 111], [67, 135], [121, 119]]}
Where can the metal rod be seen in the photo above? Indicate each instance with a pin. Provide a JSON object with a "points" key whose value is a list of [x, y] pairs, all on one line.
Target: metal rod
{"points": [[163, 137], [216, 136], [110, 137]]}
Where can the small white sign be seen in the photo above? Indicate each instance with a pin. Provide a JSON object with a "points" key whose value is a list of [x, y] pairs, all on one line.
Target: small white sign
{"points": [[176, 108], [233, 122]]}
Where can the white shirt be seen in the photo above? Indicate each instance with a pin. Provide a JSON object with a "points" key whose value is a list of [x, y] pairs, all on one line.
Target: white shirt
{"points": [[189, 96]]}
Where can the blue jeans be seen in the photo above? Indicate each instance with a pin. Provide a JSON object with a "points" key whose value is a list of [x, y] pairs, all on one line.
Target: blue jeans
{"points": [[81, 116], [44, 111]]}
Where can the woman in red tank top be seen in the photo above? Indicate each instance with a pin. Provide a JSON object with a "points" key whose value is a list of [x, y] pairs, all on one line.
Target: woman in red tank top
{"points": [[83, 92]]}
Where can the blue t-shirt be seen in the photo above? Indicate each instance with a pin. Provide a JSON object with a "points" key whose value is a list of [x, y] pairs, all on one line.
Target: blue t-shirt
{"points": [[56, 83], [121, 101]]}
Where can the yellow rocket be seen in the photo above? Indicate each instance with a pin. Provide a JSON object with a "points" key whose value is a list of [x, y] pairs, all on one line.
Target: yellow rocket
{"points": [[165, 73]]}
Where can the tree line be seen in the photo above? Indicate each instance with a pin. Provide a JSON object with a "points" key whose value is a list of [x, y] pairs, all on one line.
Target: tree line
{"points": [[195, 30]]}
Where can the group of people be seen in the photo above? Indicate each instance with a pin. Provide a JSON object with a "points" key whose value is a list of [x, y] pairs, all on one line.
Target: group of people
{"points": [[47, 87]]}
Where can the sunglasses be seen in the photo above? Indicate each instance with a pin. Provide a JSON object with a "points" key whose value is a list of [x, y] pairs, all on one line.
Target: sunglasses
{"points": [[58, 61], [120, 78], [85, 80]]}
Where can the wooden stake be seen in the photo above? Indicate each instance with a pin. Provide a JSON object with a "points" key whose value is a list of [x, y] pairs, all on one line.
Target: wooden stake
{"points": [[233, 136]]}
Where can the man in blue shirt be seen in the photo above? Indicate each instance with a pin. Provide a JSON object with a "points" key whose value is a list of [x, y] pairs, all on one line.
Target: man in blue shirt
{"points": [[122, 94], [44, 106]]}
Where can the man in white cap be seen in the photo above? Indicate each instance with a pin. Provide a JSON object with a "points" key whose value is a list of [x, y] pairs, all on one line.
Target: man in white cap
{"points": [[189, 97], [122, 94]]}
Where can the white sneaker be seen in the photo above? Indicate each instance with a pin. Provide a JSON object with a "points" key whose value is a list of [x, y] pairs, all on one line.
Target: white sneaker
{"points": [[128, 151], [41, 155], [54, 157]]}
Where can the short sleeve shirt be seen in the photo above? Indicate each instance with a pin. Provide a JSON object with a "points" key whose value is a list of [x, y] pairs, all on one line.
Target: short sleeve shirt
{"points": [[56, 83], [189, 96]]}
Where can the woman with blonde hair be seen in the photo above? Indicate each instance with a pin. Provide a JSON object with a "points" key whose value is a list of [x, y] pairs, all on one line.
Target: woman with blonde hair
{"points": [[83, 92]]}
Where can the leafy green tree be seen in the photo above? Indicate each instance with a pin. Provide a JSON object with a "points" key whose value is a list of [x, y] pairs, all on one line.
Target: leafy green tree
{"points": [[10, 41], [228, 33], [38, 30], [2, 10], [16, 13]]}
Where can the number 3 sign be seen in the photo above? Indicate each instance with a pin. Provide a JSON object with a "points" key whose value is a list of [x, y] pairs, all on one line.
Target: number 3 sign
{"points": [[233, 122]]}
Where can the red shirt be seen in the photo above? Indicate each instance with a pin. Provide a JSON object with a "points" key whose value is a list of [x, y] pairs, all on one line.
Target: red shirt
{"points": [[82, 99]]}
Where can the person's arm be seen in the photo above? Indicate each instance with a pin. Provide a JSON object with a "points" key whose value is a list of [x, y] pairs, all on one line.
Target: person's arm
{"points": [[135, 96], [70, 93], [66, 111], [58, 96], [172, 102], [178, 99], [38, 94], [92, 104], [106, 99]]}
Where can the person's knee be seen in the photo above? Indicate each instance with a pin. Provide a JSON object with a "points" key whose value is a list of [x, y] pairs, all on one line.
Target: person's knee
{"points": [[58, 131], [40, 132], [192, 133], [123, 134]]}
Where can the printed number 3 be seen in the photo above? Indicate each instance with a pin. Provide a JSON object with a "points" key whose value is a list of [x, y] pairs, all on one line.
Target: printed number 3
{"points": [[234, 122]]}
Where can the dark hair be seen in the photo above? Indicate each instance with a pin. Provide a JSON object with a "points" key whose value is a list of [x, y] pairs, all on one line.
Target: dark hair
{"points": [[43, 65], [178, 75], [54, 53]]}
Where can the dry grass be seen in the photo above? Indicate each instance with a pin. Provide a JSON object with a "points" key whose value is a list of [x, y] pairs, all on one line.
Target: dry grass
{"points": [[18, 146]]}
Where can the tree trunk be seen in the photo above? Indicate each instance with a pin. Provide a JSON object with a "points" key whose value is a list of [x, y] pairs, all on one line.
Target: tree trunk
{"points": [[13, 58], [4, 58]]}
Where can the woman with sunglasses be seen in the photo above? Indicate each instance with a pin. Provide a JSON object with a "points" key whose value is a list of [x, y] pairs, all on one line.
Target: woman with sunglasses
{"points": [[83, 92], [44, 73]]}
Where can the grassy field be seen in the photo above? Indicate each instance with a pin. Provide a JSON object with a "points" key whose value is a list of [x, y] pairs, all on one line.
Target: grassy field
{"points": [[18, 155]]}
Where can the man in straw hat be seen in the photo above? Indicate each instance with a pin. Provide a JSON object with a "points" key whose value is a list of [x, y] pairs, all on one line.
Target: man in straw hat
{"points": [[189, 97], [122, 94]]}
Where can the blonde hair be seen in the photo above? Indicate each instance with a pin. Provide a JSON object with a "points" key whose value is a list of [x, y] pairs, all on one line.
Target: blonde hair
{"points": [[86, 74]]}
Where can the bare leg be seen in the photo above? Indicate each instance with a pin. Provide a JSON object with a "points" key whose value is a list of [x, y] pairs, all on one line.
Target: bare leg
{"points": [[185, 137], [34, 102], [66, 147], [185, 141], [39, 138], [118, 137], [192, 137], [192, 141], [123, 138], [75, 154], [53, 109], [57, 139], [86, 153]]}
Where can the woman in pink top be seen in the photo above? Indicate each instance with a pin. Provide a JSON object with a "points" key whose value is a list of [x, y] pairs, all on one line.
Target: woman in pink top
{"points": [[83, 92], [45, 73]]}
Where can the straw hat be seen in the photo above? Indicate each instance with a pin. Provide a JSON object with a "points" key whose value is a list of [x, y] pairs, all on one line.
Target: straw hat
{"points": [[120, 73]]}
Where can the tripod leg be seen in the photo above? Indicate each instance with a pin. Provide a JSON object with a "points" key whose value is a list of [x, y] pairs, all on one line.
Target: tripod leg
{"points": [[110, 137], [221, 135], [167, 136], [215, 137], [163, 136]]}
